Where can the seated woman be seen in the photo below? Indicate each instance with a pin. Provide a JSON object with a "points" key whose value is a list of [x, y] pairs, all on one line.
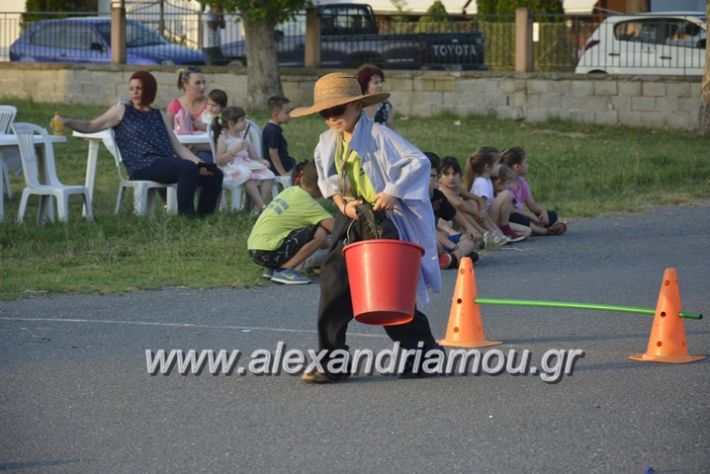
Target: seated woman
{"points": [[151, 151], [186, 112]]}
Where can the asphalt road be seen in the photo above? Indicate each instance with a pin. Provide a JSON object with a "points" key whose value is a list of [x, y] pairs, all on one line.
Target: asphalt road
{"points": [[75, 394]]}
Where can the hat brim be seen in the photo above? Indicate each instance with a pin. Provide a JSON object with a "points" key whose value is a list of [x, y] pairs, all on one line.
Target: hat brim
{"points": [[367, 99]]}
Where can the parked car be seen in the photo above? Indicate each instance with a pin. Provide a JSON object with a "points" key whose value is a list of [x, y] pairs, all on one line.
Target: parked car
{"points": [[665, 44], [349, 38], [88, 40]]}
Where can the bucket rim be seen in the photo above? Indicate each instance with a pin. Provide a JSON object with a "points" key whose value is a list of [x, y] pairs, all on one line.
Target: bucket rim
{"points": [[384, 241]]}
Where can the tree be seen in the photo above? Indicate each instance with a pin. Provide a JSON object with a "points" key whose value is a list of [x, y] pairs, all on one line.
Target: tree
{"points": [[61, 6], [435, 20], [38, 9], [704, 122], [508, 7], [260, 18]]}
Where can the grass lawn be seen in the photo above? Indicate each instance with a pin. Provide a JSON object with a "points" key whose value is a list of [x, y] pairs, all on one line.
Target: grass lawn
{"points": [[580, 170]]}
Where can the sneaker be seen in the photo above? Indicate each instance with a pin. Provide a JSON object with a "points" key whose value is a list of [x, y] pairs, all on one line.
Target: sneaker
{"points": [[289, 276], [267, 273], [483, 241], [511, 234], [445, 260], [474, 256]]}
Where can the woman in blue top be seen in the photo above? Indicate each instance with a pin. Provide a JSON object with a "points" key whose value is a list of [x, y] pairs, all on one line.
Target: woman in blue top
{"points": [[359, 161], [150, 150]]}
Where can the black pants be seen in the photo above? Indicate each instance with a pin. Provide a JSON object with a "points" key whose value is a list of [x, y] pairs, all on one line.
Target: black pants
{"points": [[187, 177], [336, 310], [522, 219]]}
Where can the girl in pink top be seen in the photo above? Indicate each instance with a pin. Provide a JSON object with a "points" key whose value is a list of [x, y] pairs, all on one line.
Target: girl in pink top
{"points": [[540, 220], [237, 158]]}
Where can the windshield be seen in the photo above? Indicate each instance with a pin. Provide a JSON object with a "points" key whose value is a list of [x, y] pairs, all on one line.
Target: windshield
{"points": [[137, 34]]}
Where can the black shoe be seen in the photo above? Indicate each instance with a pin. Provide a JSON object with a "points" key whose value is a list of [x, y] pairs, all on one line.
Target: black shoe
{"points": [[474, 256], [319, 377]]}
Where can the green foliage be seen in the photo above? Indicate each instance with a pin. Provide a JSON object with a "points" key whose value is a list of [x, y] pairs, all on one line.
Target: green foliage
{"points": [[508, 7], [262, 10], [42, 9], [435, 20], [486, 7], [61, 6], [580, 170]]}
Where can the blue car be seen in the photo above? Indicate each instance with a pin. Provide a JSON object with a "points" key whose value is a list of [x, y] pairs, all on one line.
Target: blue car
{"points": [[88, 40]]}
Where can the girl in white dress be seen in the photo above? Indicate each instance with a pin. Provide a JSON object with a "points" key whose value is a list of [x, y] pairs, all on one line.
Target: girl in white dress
{"points": [[238, 159]]}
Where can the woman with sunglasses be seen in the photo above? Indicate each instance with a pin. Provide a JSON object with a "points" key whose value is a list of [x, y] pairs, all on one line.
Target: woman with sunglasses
{"points": [[361, 162]]}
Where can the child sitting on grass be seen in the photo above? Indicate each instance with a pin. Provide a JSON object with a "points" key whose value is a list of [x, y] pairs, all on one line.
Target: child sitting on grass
{"points": [[540, 220], [451, 246], [292, 228]]}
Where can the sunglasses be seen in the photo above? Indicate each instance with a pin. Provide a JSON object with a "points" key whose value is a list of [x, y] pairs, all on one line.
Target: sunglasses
{"points": [[336, 111]]}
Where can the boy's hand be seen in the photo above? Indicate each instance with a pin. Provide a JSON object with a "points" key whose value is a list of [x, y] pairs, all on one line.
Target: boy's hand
{"points": [[384, 202], [350, 208]]}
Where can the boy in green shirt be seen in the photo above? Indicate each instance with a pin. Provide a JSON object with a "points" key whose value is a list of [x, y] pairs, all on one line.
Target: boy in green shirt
{"points": [[291, 228]]}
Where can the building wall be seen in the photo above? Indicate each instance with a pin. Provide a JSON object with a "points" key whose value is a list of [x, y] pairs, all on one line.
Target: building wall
{"points": [[633, 101]]}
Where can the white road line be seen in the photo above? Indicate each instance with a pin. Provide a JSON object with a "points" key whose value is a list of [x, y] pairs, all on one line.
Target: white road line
{"points": [[178, 325]]}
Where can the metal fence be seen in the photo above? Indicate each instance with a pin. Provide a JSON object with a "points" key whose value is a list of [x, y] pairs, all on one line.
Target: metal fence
{"points": [[621, 44]]}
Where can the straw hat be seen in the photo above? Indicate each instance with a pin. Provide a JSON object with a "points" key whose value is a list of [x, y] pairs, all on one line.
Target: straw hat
{"points": [[335, 89]]}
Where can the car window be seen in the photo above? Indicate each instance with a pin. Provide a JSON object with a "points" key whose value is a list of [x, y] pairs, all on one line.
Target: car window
{"points": [[683, 33], [66, 35], [137, 34], [645, 31], [46, 35], [343, 21]]}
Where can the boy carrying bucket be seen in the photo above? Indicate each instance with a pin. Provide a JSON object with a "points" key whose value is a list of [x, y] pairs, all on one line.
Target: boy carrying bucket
{"points": [[362, 163]]}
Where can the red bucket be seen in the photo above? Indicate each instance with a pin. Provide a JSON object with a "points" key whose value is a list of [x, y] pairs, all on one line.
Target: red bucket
{"points": [[383, 277]]}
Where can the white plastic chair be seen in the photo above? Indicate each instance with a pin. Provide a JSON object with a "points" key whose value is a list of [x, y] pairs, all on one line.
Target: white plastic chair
{"points": [[235, 192], [54, 187], [144, 191], [7, 116], [254, 133]]}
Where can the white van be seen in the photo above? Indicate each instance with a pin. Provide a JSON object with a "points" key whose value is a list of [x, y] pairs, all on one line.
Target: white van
{"points": [[662, 43]]}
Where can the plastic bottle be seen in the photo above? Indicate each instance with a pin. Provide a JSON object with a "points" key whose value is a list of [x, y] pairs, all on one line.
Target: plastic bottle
{"points": [[57, 124]]}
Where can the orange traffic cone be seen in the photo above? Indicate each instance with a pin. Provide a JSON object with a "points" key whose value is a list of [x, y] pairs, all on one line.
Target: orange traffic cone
{"points": [[465, 327], [667, 341]]}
